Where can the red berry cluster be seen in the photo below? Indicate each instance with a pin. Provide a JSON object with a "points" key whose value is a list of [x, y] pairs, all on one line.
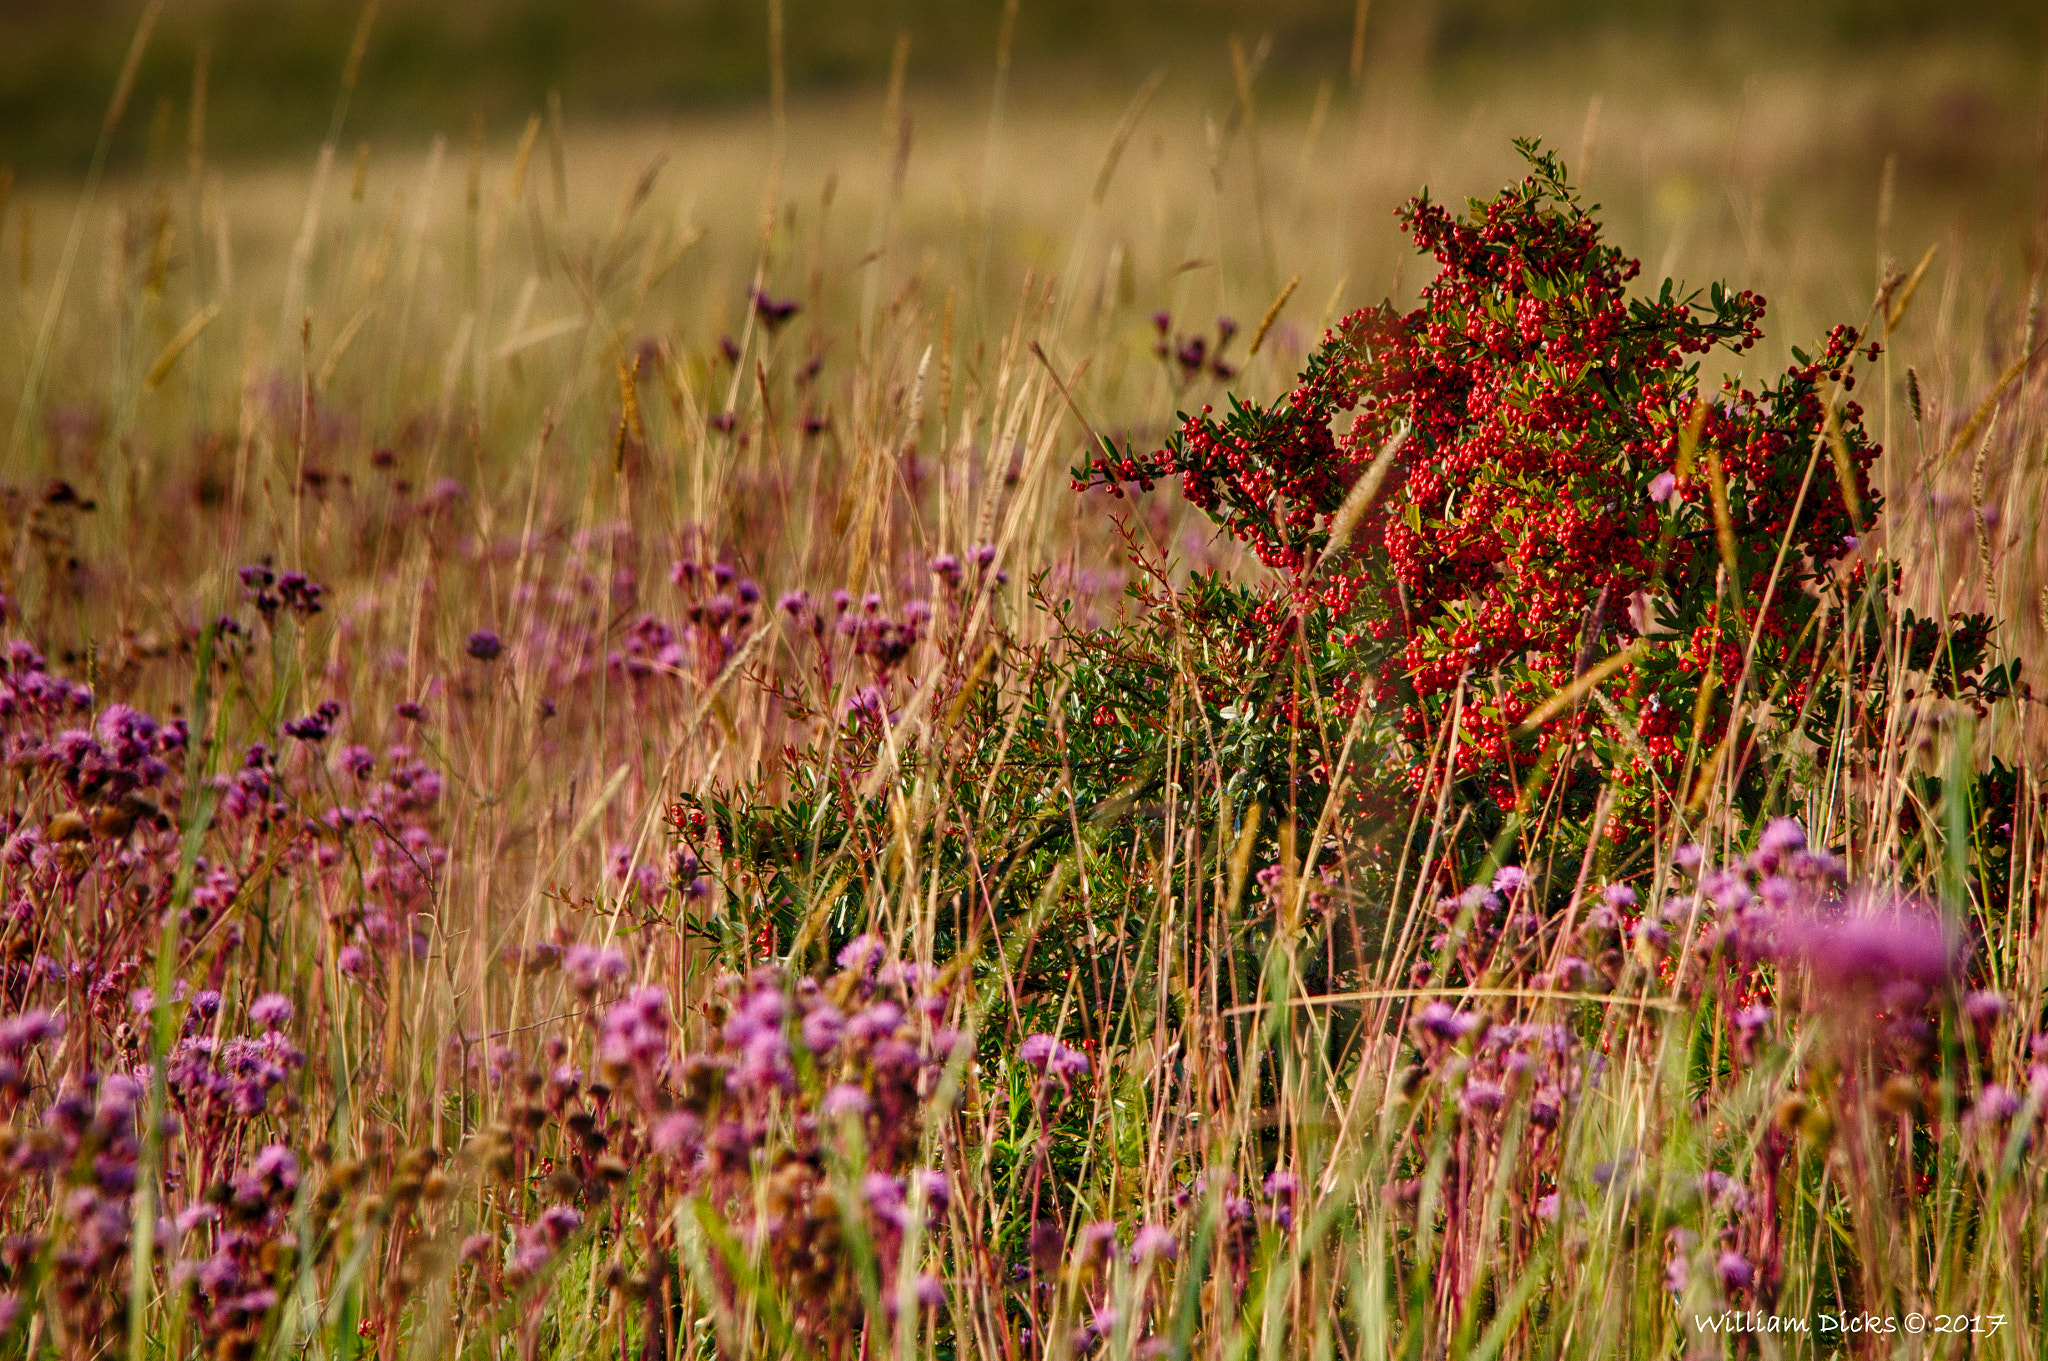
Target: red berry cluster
{"points": [[1551, 498]]}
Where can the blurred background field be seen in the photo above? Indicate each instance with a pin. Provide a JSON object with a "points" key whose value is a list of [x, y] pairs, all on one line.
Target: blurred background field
{"points": [[430, 65], [513, 195]]}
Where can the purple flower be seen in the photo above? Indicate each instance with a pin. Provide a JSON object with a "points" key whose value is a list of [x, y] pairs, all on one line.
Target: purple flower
{"points": [[823, 1026], [773, 312], [1446, 1023], [1097, 1240], [843, 1100], [1995, 1105], [764, 1064], [1722, 1189], [1154, 1242], [276, 1168], [1677, 1275], [1481, 1096], [1728, 889], [884, 1195], [312, 728], [1662, 486], [677, 1133], [1882, 945], [21, 1033], [1984, 1007], [589, 967], [875, 1023], [272, 1011], [1750, 1021], [862, 955], [558, 1222], [484, 645], [1057, 1061], [1735, 1270]]}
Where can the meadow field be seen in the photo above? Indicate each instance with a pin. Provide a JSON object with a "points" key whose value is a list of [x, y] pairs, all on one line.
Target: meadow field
{"points": [[890, 715]]}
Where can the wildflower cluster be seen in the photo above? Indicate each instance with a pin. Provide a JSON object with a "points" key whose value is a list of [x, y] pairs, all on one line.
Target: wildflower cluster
{"points": [[1760, 951], [808, 1103]]}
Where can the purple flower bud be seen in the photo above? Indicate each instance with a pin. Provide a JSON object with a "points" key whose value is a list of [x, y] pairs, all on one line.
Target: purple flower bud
{"points": [[1678, 1275], [1736, 1272], [1446, 1023], [1884, 944], [884, 1195], [1154, 1242], [1481, 1096], [822, 1028], [484, 645], [1995, 1105], [21, 1033], [862, 955], [677, 1134], [1283, 1186], [843, 1100], [276, 1168], [1984, 1007], [1751, 1020], [1782, 837], [558, 1222]]}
